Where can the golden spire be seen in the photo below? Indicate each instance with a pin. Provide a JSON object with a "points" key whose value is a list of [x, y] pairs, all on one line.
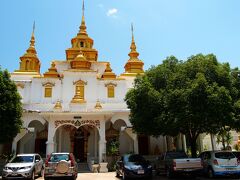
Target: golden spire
{"points": [[29, 61], [82, 28], [32, 41], [134, 65], [133, 53]]}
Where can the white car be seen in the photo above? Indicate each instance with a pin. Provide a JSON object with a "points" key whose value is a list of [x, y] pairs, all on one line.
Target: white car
{"points": [[23, 166], [220, 163]]}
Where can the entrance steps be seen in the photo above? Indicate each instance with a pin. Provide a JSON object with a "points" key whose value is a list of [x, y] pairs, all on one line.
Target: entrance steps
{"points": [[83, 168]]}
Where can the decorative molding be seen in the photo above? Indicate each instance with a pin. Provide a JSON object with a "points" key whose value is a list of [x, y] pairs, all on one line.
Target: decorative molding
{"points": [[48, 84], [111, 84], [80, 82], [78, 123], [21, 85]]}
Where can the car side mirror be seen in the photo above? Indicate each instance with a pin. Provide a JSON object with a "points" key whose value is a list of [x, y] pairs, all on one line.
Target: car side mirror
{"points": [[37, 160]]}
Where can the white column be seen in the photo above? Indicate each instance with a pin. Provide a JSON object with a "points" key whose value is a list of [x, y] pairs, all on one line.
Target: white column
{"points": [[95, 142], [135, 144], [60, 140], [50, 141], [184, 143], [213, 141], [165, 144], [102, 141], [179, 142]]}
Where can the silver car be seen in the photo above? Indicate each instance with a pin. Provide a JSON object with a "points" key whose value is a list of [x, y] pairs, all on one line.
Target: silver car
{"points": [[24, 166]]}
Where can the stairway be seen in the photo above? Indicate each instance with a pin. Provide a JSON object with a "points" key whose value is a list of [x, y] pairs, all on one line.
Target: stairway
{"points": [[83, 168]]}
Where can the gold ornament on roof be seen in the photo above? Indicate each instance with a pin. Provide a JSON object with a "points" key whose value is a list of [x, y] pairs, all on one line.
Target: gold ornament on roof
{"points": [[52, 72], [58, 105], [82, 42], [30, 63], [134, 65], [108, 74], [80, 62], [98, 105]]}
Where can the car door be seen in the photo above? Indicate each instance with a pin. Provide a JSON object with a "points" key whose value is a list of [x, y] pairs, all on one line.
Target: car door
{"points": [[37, 164]]}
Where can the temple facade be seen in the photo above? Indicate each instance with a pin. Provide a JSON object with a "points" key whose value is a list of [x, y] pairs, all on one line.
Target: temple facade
{"points": [[78, 104]]}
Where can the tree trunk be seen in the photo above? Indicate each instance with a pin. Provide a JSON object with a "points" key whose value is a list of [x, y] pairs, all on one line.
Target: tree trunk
{"points": [[193, 145]]}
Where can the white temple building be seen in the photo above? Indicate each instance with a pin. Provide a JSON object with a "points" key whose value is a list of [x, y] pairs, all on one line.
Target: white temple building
{"points": [[78, 104]]}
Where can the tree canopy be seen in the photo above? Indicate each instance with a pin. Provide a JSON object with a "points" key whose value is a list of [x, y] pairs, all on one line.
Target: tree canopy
{"points": [[10, 108], [199, 95]]}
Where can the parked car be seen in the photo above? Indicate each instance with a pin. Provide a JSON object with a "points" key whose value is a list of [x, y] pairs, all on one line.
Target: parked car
{"points": [[237, 154], [219, 163], [133, 166], [173, 163], [61, 165], [24, 166]]}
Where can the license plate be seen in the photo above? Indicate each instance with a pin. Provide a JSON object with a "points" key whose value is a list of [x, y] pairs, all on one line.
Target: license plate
{"points": [[140, 172], [14, 174], [51, 170], [229, 169]]}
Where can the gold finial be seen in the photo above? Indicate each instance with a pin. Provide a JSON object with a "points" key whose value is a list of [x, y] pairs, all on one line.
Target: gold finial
{"points": [[133, 54], [83, 25], [58, 105], [98, 105], [132, 32], [32, 41]]}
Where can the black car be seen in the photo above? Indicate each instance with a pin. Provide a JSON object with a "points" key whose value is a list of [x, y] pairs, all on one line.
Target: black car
{"points": [[133, 166]]}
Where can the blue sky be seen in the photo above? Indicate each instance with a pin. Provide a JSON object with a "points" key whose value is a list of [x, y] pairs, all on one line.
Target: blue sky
{"points": [[162, 28]]}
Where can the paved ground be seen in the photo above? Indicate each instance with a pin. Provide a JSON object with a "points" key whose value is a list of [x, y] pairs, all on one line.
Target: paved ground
{"points": [[111, 176]]}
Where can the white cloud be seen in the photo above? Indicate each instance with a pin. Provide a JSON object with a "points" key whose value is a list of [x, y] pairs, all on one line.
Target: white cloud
{"points": [[112, 12]]}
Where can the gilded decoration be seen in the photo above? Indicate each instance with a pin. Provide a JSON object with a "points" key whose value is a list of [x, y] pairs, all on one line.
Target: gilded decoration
{"points": [[29, 61], [48, 84], [134, 65], [110, 84], [58, 105], [79, 92], [21, 85], [98, 105], [108, 74], [52, 72], [78, 123]]}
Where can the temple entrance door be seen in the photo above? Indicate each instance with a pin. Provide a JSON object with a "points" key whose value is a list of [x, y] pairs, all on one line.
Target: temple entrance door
{"points": [[80, 144], [79, 148], [143, 144]]}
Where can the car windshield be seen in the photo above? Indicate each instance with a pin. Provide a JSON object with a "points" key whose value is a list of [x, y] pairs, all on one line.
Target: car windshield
{"points": [[176, 155], [224, 155], [22, 159], [236, 153], [134, 158], [59, 157]]}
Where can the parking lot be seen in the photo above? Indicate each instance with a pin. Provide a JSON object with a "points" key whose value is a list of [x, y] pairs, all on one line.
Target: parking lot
{"points": [[111, 176]]}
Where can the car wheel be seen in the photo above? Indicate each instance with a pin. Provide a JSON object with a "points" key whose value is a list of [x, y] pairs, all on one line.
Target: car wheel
{"points": [[33, 175], [40, 174], [169, 173], [211, 173], [124, 177]]}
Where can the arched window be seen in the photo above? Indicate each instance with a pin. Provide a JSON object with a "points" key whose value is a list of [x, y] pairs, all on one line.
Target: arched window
{"points": [[27, 65], [81, 44]]}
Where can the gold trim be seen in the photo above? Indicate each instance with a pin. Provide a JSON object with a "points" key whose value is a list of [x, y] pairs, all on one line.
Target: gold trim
{"points": [[48, 84], [110, 84]]}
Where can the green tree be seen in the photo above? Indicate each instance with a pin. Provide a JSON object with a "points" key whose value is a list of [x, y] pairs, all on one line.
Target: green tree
{"points": [[10, 108], [189, 97]]}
